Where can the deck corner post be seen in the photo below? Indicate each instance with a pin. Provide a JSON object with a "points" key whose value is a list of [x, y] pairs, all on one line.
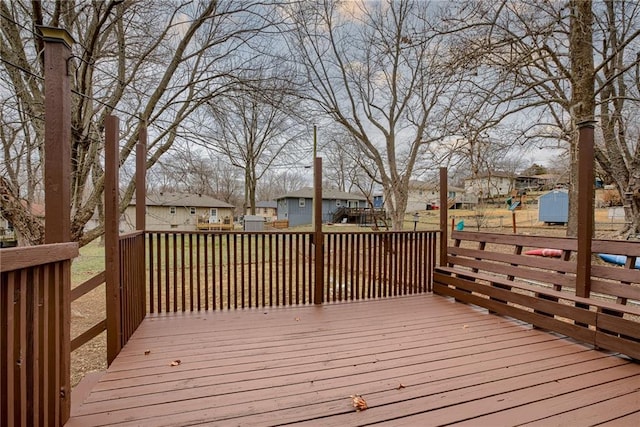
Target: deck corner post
{"points": [[317, 232], [111, 237], [585, 207], [57, 179], [444, 212]]}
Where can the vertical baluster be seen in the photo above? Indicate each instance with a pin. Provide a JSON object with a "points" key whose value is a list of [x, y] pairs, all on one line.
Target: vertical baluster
{"points": [[270, 270], [151, 281], [198, 274], [297, 268], [290, 267], [277, 268], [218, 237], [228, 264], [167, 283], [358, 261], [234, 267], [385, 264], [242, 270], [263, 274], [306, 290], [175, 264], [183, 269], [249, 270]]}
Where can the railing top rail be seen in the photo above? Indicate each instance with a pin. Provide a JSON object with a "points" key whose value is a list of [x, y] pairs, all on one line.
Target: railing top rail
{"points": [[209, 232], [241, 232], [382, 232], [24, 257], [131, 234]]}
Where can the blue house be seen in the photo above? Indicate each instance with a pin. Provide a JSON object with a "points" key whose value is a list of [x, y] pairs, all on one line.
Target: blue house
{"points": [[296, 207]]}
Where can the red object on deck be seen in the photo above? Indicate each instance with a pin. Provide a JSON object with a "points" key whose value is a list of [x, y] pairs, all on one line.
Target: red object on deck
{"points": [[545, 252]]}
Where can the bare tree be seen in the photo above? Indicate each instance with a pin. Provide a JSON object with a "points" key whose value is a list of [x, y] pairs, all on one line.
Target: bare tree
{"points": [[156, 62], [617, 85], [254, 125], [192, 171], [342, 164], [278, 183], [375, 68], [540, 59]]}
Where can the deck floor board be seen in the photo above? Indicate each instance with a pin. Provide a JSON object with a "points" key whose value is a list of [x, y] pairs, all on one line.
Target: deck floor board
{"points": [[416, 360]]}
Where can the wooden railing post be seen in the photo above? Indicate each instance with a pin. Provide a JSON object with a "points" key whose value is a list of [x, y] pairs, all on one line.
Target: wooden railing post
{"points": [[585, 208], [141, 209], [111, 238], [318, 236], [57, 178], [141, 182], [444, 209]]}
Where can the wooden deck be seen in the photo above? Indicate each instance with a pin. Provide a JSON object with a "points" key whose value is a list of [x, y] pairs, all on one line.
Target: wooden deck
{"points": [[417, 360]]}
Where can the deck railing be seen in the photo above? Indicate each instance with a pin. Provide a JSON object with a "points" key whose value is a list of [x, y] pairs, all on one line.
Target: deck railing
{"points": [[133, 295], [227, 270], [34, 332], [132, 291]]}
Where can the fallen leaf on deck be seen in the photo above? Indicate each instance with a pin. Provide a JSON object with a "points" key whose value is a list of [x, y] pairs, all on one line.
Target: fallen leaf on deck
{"points": [[147, 352], [400, 386], [176, 362], [358, 402], [297, 319], [465, 326]]}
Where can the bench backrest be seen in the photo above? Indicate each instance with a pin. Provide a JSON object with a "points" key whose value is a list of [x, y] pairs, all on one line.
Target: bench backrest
{"points": [[505, 255]]}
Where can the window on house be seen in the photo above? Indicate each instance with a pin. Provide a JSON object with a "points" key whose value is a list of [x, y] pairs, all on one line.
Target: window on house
{"points": [[172, 210], [213, 212], [301, 203], [192, 211]]}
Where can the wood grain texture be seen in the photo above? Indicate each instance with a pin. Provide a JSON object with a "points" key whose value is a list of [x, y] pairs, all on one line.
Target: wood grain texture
{"points": [[416, 360]]}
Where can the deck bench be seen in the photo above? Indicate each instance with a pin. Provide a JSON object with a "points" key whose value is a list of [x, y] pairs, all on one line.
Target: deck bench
{"points": [[491, 270]]}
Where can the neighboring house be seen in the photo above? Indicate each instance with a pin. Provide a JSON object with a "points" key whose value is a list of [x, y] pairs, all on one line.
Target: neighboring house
{"points": [[423, 195], [489, 185], [267, 209], [179, 211], [545, 181], [378, 201], [420, 194], [296, 207]]}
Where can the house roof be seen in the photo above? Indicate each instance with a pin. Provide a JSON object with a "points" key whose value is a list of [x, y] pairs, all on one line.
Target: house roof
{"points": [[491, 175], [327, 194], [183, 199], [423, 185], [415, 184], [267, 204]]}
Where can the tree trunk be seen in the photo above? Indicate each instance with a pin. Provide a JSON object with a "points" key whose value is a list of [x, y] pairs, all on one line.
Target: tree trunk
{"points": [[29, 230], [582, 90], [631, 201], [572, 225]]}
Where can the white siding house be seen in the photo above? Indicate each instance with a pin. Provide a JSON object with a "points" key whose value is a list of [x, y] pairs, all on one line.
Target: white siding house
{"points": [[178, 211]]}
